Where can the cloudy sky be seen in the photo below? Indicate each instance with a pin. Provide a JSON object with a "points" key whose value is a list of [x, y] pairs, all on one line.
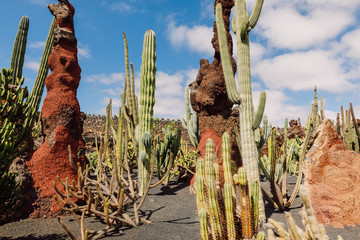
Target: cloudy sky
{"points": [[296, 45]]}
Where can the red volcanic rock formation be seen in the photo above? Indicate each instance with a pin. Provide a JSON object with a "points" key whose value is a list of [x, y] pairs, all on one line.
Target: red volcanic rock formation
{"points": [[333, 177], [60, 114], [208, 92]]}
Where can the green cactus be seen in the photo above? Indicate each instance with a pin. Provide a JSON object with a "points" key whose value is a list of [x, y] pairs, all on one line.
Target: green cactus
{"points": [[231, 208], [242, 25], [18, 54], [18, 111], [166, 149], [191, 124], [34, 99], [147, 101]]}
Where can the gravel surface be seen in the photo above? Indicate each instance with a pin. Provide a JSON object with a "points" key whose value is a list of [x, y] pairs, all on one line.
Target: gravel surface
{"points": [[172, 211]]}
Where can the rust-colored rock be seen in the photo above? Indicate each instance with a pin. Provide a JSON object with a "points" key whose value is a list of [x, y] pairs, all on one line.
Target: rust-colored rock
{"points": [[208, 95], [201, 150], [60, 114], [332, 174]]}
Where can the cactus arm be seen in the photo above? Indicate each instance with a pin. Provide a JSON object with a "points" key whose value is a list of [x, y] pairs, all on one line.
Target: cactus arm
{"points": [[228, 187], [18, 54], [260, 111], [302, 156], [275, 190], [255, 203], [254, 16], [214, 211], [231, 88], [201, 199], [135, 111], [354, 122], [245, 204], [34, 99], [147, 101]]}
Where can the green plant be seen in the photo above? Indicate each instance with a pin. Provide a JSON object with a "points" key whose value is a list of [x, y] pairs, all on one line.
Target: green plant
{"points": [[348, 129], [170, 144], [18, 110], [275, 168], [185, 161], [227, 207], [242, 24], [147, 101], [191, 124]]}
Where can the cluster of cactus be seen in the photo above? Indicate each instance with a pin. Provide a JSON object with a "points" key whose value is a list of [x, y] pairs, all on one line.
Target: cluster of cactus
{"points": [[312, 230], [348, 128], [185, 161], [110, 189], [19, 109], [166, 151], [249, 122], [227, 206], [191, 124], [275, 167]]}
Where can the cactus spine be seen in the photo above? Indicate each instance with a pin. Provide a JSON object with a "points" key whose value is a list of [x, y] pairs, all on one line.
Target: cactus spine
{"points": [[18, 54], [147, 101], [242, 26]]}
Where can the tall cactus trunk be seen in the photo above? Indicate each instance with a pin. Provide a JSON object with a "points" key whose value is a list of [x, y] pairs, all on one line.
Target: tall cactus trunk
{"points": [[243, 96], [18, 54], [147, 101]]}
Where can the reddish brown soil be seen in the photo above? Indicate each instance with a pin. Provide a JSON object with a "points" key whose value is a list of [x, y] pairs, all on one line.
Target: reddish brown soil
{"points": [[332, 174]]}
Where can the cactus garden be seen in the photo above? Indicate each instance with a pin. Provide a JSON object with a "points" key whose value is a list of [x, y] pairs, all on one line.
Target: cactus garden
{"points": [[110, 140]]}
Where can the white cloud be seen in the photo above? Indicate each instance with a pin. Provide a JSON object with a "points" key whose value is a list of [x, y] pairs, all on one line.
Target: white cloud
{"points": [[169, 94], [277, 109], [115, 103], [196, 38], [350, 41], [33, 65], [207, 9], [40, 2], [303, 70], [84, 52], [106, 79], [287, 27], [123, 7], [113, 91], [36, 45]]}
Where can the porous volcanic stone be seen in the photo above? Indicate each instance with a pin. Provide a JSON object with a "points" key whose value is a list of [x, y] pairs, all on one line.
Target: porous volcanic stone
{"points": [[60, 114], [208, 95]]}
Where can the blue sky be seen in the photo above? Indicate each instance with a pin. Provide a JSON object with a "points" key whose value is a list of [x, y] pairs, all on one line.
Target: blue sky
{"points": [[296, 45]]}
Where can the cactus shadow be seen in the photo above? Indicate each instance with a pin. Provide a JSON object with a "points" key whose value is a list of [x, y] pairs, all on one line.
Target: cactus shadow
{"points": [[172, 188]]}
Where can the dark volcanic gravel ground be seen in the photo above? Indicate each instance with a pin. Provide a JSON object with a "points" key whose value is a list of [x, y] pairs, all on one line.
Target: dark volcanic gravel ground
{"points": [[171, 209]]}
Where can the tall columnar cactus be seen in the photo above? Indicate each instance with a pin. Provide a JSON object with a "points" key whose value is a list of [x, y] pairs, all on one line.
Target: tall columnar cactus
{"points": [[147, 101], [129, 98], [228, 210], [191, 124], [34, 99], [242, 24], [18, 54]]}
